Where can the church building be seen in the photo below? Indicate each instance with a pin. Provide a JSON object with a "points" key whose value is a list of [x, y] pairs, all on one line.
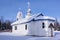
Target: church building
{"points": [[34, 25]]}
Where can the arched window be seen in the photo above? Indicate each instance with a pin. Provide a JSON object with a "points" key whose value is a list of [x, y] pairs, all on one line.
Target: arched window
{"points": [[43, 25], [26, 27], [15, 27]]}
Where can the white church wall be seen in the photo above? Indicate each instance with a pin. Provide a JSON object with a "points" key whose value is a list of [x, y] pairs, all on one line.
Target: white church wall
{"points": [[30, 28], [20, 29], [40, 29], [13, 29], [35, 28], [47, 29]]}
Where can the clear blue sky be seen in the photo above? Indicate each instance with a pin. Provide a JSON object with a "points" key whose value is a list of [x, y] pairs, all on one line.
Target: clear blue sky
{"points": [[9, 8]]}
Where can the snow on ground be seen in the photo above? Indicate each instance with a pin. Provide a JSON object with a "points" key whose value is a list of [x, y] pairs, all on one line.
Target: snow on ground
{"points": [[12, 36]]}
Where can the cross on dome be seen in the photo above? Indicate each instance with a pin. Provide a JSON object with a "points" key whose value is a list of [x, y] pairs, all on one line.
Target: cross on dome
{"points": [[28, 4], [29, 10]]}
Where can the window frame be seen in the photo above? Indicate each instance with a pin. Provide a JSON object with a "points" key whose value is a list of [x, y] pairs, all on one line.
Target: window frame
{"points": [[43, 25], [15, 27], [26, 27]]}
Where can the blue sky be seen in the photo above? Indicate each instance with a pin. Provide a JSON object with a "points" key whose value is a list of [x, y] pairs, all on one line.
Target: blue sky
{"points": [[9, 8]]}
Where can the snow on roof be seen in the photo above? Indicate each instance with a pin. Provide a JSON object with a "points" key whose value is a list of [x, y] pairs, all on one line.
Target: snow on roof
{"points": [[44, 17], [39, 16], [35, 17], [21, 21]]}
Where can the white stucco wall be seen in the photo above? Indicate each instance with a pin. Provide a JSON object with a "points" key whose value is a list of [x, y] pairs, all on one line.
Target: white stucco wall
{"points": [[20, 29], [35, 28]]}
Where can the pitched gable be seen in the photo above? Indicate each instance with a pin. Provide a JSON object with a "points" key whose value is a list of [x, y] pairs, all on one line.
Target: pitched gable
{"points": [[40, 15]]}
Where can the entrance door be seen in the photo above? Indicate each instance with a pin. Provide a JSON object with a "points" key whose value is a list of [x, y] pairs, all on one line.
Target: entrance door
{"points": [[51, 27]]}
